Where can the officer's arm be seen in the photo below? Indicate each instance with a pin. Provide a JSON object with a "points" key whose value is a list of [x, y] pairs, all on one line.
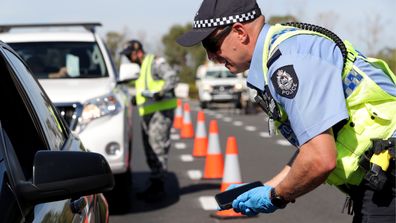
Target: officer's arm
{"points": [[313, 164], [166, 73]]}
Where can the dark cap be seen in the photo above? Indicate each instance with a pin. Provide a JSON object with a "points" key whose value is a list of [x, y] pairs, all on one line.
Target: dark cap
{"points": [[130, 46], [217, 13]]}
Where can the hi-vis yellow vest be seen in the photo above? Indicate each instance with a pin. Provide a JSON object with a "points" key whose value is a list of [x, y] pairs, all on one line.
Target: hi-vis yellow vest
{"points": [[146, 82], [372, 111]]}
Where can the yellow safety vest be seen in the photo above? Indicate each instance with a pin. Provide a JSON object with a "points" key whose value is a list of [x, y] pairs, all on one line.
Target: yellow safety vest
{"points": [[372, 111], [145, 82]]}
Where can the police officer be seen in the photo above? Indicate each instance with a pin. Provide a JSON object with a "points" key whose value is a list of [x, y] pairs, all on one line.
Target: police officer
{"points": [[156, 102], [326, 98]]}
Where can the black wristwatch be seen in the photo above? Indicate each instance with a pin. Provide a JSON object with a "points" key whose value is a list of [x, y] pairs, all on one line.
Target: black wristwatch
{"points": [[277, 200]]}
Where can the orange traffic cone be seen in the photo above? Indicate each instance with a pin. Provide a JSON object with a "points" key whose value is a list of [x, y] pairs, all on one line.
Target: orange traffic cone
{"points": [[187, 130], [214, 163], [201, 140], [232, 175], [178, 121]]}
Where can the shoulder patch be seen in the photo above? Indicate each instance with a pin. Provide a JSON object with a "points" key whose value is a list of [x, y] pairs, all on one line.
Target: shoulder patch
{"points": [[285, 81]]}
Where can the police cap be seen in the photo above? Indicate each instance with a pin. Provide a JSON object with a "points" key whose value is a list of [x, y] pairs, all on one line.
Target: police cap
{"points": [[218, 13]]}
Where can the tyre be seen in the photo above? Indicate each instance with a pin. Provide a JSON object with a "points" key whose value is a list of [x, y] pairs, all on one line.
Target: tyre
{"points": [[204, 104], [238, 104]]}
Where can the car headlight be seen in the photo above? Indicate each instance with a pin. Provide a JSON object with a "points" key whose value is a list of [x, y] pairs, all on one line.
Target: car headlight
{"points": [[99, 107], [207, 87], [238, 87]]}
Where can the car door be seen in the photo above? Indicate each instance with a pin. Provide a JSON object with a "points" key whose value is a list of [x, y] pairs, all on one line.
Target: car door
{"points": [[43, 129]]}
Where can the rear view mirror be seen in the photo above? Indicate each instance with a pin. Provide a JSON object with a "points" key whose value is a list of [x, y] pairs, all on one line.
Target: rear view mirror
{"points": [[128, 72], [65, 174]]}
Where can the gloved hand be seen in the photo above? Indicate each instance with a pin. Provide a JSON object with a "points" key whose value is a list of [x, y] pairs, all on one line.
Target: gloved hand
{"points": [[254, 201]]}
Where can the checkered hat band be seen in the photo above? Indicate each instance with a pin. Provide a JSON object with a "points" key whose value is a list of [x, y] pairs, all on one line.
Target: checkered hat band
{"points": [[208, 23]]}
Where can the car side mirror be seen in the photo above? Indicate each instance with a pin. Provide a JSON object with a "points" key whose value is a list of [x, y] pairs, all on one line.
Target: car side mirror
{"points": [[128, 72], [59, 175]]}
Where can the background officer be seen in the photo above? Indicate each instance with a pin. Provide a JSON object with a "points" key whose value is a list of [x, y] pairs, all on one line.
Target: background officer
{"points": [[327, 99], [156, 102]]}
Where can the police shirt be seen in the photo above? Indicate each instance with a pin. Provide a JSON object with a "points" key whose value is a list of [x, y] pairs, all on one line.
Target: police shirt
{"points": [[305, 79]]}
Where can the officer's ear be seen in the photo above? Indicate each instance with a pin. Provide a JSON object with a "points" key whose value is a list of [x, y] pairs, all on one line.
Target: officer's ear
{"points": [[240, 30]]}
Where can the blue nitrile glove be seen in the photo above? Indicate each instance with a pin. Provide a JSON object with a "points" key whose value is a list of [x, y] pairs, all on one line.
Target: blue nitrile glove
{"points": [[254, 201]]}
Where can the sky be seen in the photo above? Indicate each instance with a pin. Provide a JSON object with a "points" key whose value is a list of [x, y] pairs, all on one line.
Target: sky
{"points": [[151, 19]]}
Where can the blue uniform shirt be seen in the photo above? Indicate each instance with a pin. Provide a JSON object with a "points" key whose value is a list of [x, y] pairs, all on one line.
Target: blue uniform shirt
{"points": [[306, 81]]}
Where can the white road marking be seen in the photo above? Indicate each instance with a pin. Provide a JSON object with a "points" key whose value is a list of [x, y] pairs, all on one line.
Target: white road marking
{"points": [[186, 158], [175, 137], [250, 128], [219, 116], [227, 119], [208, 203], [180, 145], [237, 123], [194, 174], [265, 134], [283, 142]]}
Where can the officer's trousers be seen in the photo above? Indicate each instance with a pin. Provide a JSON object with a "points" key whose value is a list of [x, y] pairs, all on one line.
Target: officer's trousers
{"points": [[156, 140], [371, 206]]}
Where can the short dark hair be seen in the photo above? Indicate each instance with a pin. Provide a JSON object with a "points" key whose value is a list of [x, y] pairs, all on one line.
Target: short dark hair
{"points": [[130, 46]]}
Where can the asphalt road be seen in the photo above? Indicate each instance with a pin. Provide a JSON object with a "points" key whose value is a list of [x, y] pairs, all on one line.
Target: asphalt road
{"points": [[191, 200]]}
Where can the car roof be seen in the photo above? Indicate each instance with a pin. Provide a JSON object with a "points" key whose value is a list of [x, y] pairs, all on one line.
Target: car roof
{"points": [[47, 37]]}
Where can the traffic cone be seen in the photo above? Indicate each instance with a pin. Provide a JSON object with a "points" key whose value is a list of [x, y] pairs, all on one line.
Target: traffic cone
{"points": [[232, 175], [201, 140], [178, 121], [214, 163], [187, 130]]}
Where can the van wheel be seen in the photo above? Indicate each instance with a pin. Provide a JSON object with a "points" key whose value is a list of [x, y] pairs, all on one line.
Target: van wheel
{"points": [[204, 105], [238, 105]]}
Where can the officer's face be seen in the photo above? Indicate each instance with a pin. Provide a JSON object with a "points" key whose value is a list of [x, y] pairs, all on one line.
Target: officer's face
{"points": [[225, 46], [135, 56]]}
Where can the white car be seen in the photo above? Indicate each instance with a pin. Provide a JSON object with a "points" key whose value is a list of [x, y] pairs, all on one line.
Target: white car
{"points": [[218, 85], [78, 74]]}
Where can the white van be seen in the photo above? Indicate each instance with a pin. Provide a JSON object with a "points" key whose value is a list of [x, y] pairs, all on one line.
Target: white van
{"points": [[216, 84], [78, 74]]}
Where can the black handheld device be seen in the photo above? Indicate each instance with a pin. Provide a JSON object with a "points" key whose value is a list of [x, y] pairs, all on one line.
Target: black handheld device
{"points": [[225, 199]]}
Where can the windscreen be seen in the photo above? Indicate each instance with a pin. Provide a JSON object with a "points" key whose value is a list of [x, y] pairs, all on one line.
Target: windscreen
{"points": [[214, 74], [54, 60]]}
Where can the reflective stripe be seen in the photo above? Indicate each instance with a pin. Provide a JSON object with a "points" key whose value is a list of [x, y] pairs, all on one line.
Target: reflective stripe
{"points": [[351, 81]]}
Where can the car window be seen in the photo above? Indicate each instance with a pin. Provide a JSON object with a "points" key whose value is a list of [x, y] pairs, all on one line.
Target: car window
{"points": [[53, 127], [215, 74], [113, 66], [56, 60]]}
